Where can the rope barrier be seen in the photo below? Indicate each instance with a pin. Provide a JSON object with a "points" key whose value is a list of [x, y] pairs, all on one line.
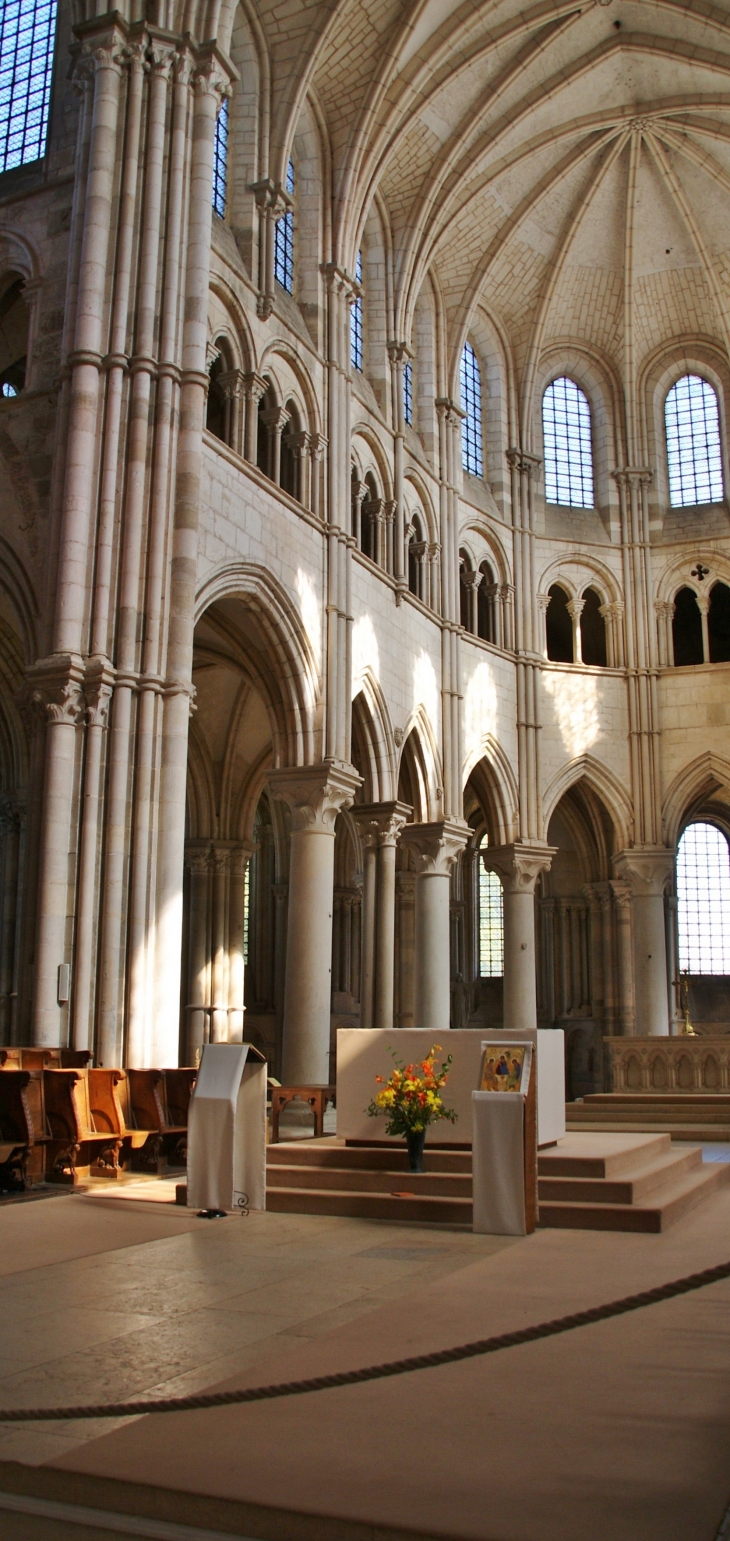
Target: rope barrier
{"points": [[693, 1281]]}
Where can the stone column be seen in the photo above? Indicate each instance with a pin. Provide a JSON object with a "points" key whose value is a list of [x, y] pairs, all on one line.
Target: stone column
{"points": [[238, 860], [254, 387], [472, 582], [63, 705], [575, 610], [627, 1016], [647, 871], [380, 825], [518, 867], [436, 848], [369, 893], [315, 794], [405, 883], [197, 861]]}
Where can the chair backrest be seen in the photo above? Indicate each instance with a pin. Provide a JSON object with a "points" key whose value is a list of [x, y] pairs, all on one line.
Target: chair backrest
{"points": [[178, 1090], [67, 1104], [108, 1093], [22, 1115], [147, 1095]]}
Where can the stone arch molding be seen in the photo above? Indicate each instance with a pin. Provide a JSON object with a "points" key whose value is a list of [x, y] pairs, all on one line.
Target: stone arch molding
{"points": [[503, 790], [607, 787], [419, 724], [575, 574], [701, 779], [678, 574], [383, 754], [291, 650]]}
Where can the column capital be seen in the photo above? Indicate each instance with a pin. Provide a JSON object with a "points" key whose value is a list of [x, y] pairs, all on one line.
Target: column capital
{"points": [[471, 577], [633, 476], [315, 793], [517, 460], [436, 846], [381, 823], [399, 353], [646, 870], [54, 688], [622, 895], [519, 865], [449, 410], [254, 386]]}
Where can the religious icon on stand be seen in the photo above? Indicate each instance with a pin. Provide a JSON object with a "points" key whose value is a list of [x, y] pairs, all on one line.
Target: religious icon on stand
{"points": [[503, 1067]]}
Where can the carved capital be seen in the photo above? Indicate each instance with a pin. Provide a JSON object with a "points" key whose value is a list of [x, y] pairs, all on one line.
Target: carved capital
{"points": [[519, 866], [647, 870], [449, 410], [315, 794], [197, 858], [527, 465], [54, 689], [381, 823], [622, 896], [436, 846], [399, 354]]}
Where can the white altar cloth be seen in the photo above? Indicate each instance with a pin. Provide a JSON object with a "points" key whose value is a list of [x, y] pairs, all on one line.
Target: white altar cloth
{"points": [[227, 1129], [498, 1163]]}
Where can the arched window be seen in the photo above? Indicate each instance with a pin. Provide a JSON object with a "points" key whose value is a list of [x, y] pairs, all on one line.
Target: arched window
{"points": [[687, 629], [559, 627], [416, 548], [592, 631], [408, 393], [220, 160], [290, 464], [27, 36], [718, 624], [466, 580], [14, 321], [356, 318], [703, 900], [471, 401], [216, 413], [491, 925], [694, 456], [566, 431], [284, 241], [486, 596]]}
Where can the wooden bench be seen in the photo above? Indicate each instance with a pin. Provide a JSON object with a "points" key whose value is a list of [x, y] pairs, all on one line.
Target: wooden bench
{"points": [[149, 1109], [16, 1057], [23, 1135], [315, 1097], [179, 1086], [83, 1142]]}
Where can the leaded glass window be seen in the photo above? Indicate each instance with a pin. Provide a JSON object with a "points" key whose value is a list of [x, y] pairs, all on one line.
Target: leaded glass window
{"points": [[356, 320], [566, 429], [27, 36], [692, 426], [703, 900], [220, 160], [284, 241], [491, 925], [471, 402], [408, 393]]}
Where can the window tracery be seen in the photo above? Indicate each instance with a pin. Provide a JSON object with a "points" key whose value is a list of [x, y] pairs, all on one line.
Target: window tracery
{"points": [[703, 900], [694, 454], [220, 160], [567, 444], [356, 322]]}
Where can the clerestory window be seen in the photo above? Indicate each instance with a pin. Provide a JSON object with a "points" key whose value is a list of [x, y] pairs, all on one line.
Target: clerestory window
{"points": [[694, 454], [408, 393], [27, 37], [703, 900], [220, 160], [284, 240], [567, 444], [491, 925], [470, 381], [356, 322]]}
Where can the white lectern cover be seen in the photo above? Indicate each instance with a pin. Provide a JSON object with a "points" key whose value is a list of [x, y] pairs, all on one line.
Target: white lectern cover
{"points": [[498, 1156], [227, 1129]]}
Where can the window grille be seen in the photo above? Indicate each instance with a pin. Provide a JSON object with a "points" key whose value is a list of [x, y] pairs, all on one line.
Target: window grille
{"points": [[491, 925], [692, 426], [408, 393], [566, 427], [220, 160], [703, 900], [284, 241], [246, 909], [471, 401], [27, 36], [356, 320]]}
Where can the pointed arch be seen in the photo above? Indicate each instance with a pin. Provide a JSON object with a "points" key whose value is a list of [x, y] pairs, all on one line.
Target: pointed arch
{"points": [[373, 741], [607, 787], [420, 763], [492, 779], [700, 784]]}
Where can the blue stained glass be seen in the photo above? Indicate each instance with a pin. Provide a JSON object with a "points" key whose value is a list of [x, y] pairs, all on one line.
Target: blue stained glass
{"points": [[408, 393], [284, 241], [703, 900], [220, 160], [27, 37], [566, 428], [356, 327], [693, 443], [471, 401]]}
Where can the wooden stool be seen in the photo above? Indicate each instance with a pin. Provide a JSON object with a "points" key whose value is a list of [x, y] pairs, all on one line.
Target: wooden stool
{"points": [[316, 1097]]}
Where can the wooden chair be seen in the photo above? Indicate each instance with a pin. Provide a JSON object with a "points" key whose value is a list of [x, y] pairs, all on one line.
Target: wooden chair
{"points": [[150, 1110], [316, 1097], [83, 1143], [178, 1091], [23, 1135]]}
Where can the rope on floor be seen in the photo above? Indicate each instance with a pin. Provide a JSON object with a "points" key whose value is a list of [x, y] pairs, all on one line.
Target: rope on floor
{"points": [[693, 1281]]}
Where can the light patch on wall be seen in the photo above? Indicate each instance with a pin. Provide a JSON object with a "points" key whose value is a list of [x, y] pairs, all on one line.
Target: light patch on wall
{"points": [[425, 688], [575, 703], [309, 607], [365, 653], [480, 709]]}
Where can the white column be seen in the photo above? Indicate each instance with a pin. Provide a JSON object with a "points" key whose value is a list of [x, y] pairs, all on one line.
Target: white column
{"points": [[435, 847], [518, 867], [624, 958], [239, 858], [315, 795], [647, 872], [63, 706], [380, 825], [197, 860]]}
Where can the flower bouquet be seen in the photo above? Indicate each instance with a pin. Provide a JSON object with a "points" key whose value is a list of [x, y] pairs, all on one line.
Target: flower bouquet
{"points": [[410, 1099]]}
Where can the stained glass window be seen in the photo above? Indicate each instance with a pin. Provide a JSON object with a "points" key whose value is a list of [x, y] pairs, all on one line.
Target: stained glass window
{"points": [[693, 443], [471, 402], [284, 241], [703, 900], [491, 925], [566, 428], [356, 329], [408, 393], [220, 160], [27, 36]]}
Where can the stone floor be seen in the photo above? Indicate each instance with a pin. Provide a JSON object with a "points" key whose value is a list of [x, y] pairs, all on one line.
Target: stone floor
{"points": [[617, 1432]]}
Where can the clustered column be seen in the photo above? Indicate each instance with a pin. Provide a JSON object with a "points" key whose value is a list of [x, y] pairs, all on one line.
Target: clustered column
{"points": [[379, 825], [435, 848], [518, 867]]}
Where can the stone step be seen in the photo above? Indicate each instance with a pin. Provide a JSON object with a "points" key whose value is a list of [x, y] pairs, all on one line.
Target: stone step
{"points": [[629, 1189], [349, 1180], [653, 1217], [648, 1112], [705, 1099], [698, 1133], [403, 1205], [331, 1152], [582, 1157]]}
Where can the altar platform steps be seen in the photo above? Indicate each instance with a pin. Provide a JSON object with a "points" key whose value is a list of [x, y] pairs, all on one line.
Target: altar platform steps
{"points": [[589, 1181], [694, 1116]]}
